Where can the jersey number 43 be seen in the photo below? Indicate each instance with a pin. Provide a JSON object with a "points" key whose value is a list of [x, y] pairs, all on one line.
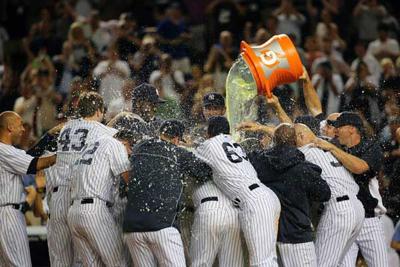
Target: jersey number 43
{"points": [[65, 139]]}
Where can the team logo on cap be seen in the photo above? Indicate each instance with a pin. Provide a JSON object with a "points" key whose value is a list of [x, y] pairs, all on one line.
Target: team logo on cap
{"points": [[211, 97]]}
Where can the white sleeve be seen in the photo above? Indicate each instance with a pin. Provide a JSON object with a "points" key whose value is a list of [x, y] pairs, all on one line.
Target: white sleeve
{"points": [[338, 82], [154, 76], [124, 67], [179, 78], [99, 69], [119, 160], [15, 160]]}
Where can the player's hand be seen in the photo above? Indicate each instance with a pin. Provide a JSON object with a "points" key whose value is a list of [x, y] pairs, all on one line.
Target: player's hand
{"points": [[188, 141], [305, 77], [56, 129], [323, 144], [273, 100], [248, 126], [30, 194]]}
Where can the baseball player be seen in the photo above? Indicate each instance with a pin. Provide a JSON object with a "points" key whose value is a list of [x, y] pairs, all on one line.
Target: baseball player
{"points": [[72, 139], [96, 178], [259, 207], [363, 158], [159, 167], [343, 214], [296, 182], [14, 163], [215, 229]]}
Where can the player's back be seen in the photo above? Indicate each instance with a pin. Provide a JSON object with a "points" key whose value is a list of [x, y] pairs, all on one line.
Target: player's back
{"points": [[232, 170], [339, 179], [97, 167], [74, 136]]}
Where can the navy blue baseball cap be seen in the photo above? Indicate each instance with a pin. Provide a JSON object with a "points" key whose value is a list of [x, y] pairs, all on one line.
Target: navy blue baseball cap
{"points": [[349, 118], [173, 128], [213, 100], [146, 92]]}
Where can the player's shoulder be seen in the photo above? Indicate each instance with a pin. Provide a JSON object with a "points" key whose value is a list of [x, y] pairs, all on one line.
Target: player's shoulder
{"points": [[9, 149], [310, 150]]}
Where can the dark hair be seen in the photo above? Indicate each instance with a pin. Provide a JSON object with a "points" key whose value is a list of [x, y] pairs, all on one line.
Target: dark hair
{"points": [[326, 65], [383, 27], [89, 103], [359, 66], [285, 135], [217, 125]]}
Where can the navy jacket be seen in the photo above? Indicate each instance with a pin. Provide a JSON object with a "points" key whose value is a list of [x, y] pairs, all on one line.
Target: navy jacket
{"points": [[296, 182], [156, 184]]}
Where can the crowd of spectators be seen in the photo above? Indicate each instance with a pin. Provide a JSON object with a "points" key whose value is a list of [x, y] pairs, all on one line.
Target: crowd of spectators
{"points": [[51, 51]]}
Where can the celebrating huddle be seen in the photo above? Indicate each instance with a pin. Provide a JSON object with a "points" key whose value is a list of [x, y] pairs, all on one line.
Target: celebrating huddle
{"points": [[115, 192]]}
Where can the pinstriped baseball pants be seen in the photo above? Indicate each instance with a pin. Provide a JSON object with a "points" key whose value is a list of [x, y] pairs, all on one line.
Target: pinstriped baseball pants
{"points": [[298, 255], [118, 211], [215, 231], [371, 242], [337, 230], [163, 248], [14, 244], [95, 234], [259, 219], [59, 238]]}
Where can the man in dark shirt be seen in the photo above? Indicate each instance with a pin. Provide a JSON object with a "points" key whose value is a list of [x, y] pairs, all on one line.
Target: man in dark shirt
{"points": [[145, 100], [362, 157], [296, 182], [155, 188]]}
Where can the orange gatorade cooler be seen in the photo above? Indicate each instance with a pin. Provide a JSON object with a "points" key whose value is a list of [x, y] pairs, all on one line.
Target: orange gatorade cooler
{"points": [[257, 71]]}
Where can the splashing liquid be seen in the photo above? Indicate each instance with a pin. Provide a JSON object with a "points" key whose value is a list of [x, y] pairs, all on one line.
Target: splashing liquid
{"points": [[241, 96]]}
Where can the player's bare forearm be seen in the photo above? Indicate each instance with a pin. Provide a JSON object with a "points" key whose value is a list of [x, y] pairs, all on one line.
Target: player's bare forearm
{"points": [[311, 97], [45, 162], [281, 114], [350, 162]]}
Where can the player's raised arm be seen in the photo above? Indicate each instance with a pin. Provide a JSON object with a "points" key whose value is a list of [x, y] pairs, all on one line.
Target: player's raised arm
{"points": [[280, 112], [311, 97]]}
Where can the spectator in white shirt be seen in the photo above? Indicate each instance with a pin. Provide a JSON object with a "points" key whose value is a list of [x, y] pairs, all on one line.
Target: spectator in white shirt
{"points": [[123, 103], [111, 73], [329, 86], [290, 19], [170, 83], [99, 35], [384, 46], [374, 67]]}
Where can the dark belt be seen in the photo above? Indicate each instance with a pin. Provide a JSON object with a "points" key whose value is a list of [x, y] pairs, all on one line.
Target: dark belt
{"points": [[91, 201], [253, 186], [55, 189], [208, 199], [23, 207], [342, 198]]}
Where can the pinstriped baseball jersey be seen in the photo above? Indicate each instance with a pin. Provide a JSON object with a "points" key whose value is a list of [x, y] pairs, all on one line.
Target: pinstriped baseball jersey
{"points": [[72, 139], [96, 172], [232, 172], [13, 164], [339, 179], [209, 189]]}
